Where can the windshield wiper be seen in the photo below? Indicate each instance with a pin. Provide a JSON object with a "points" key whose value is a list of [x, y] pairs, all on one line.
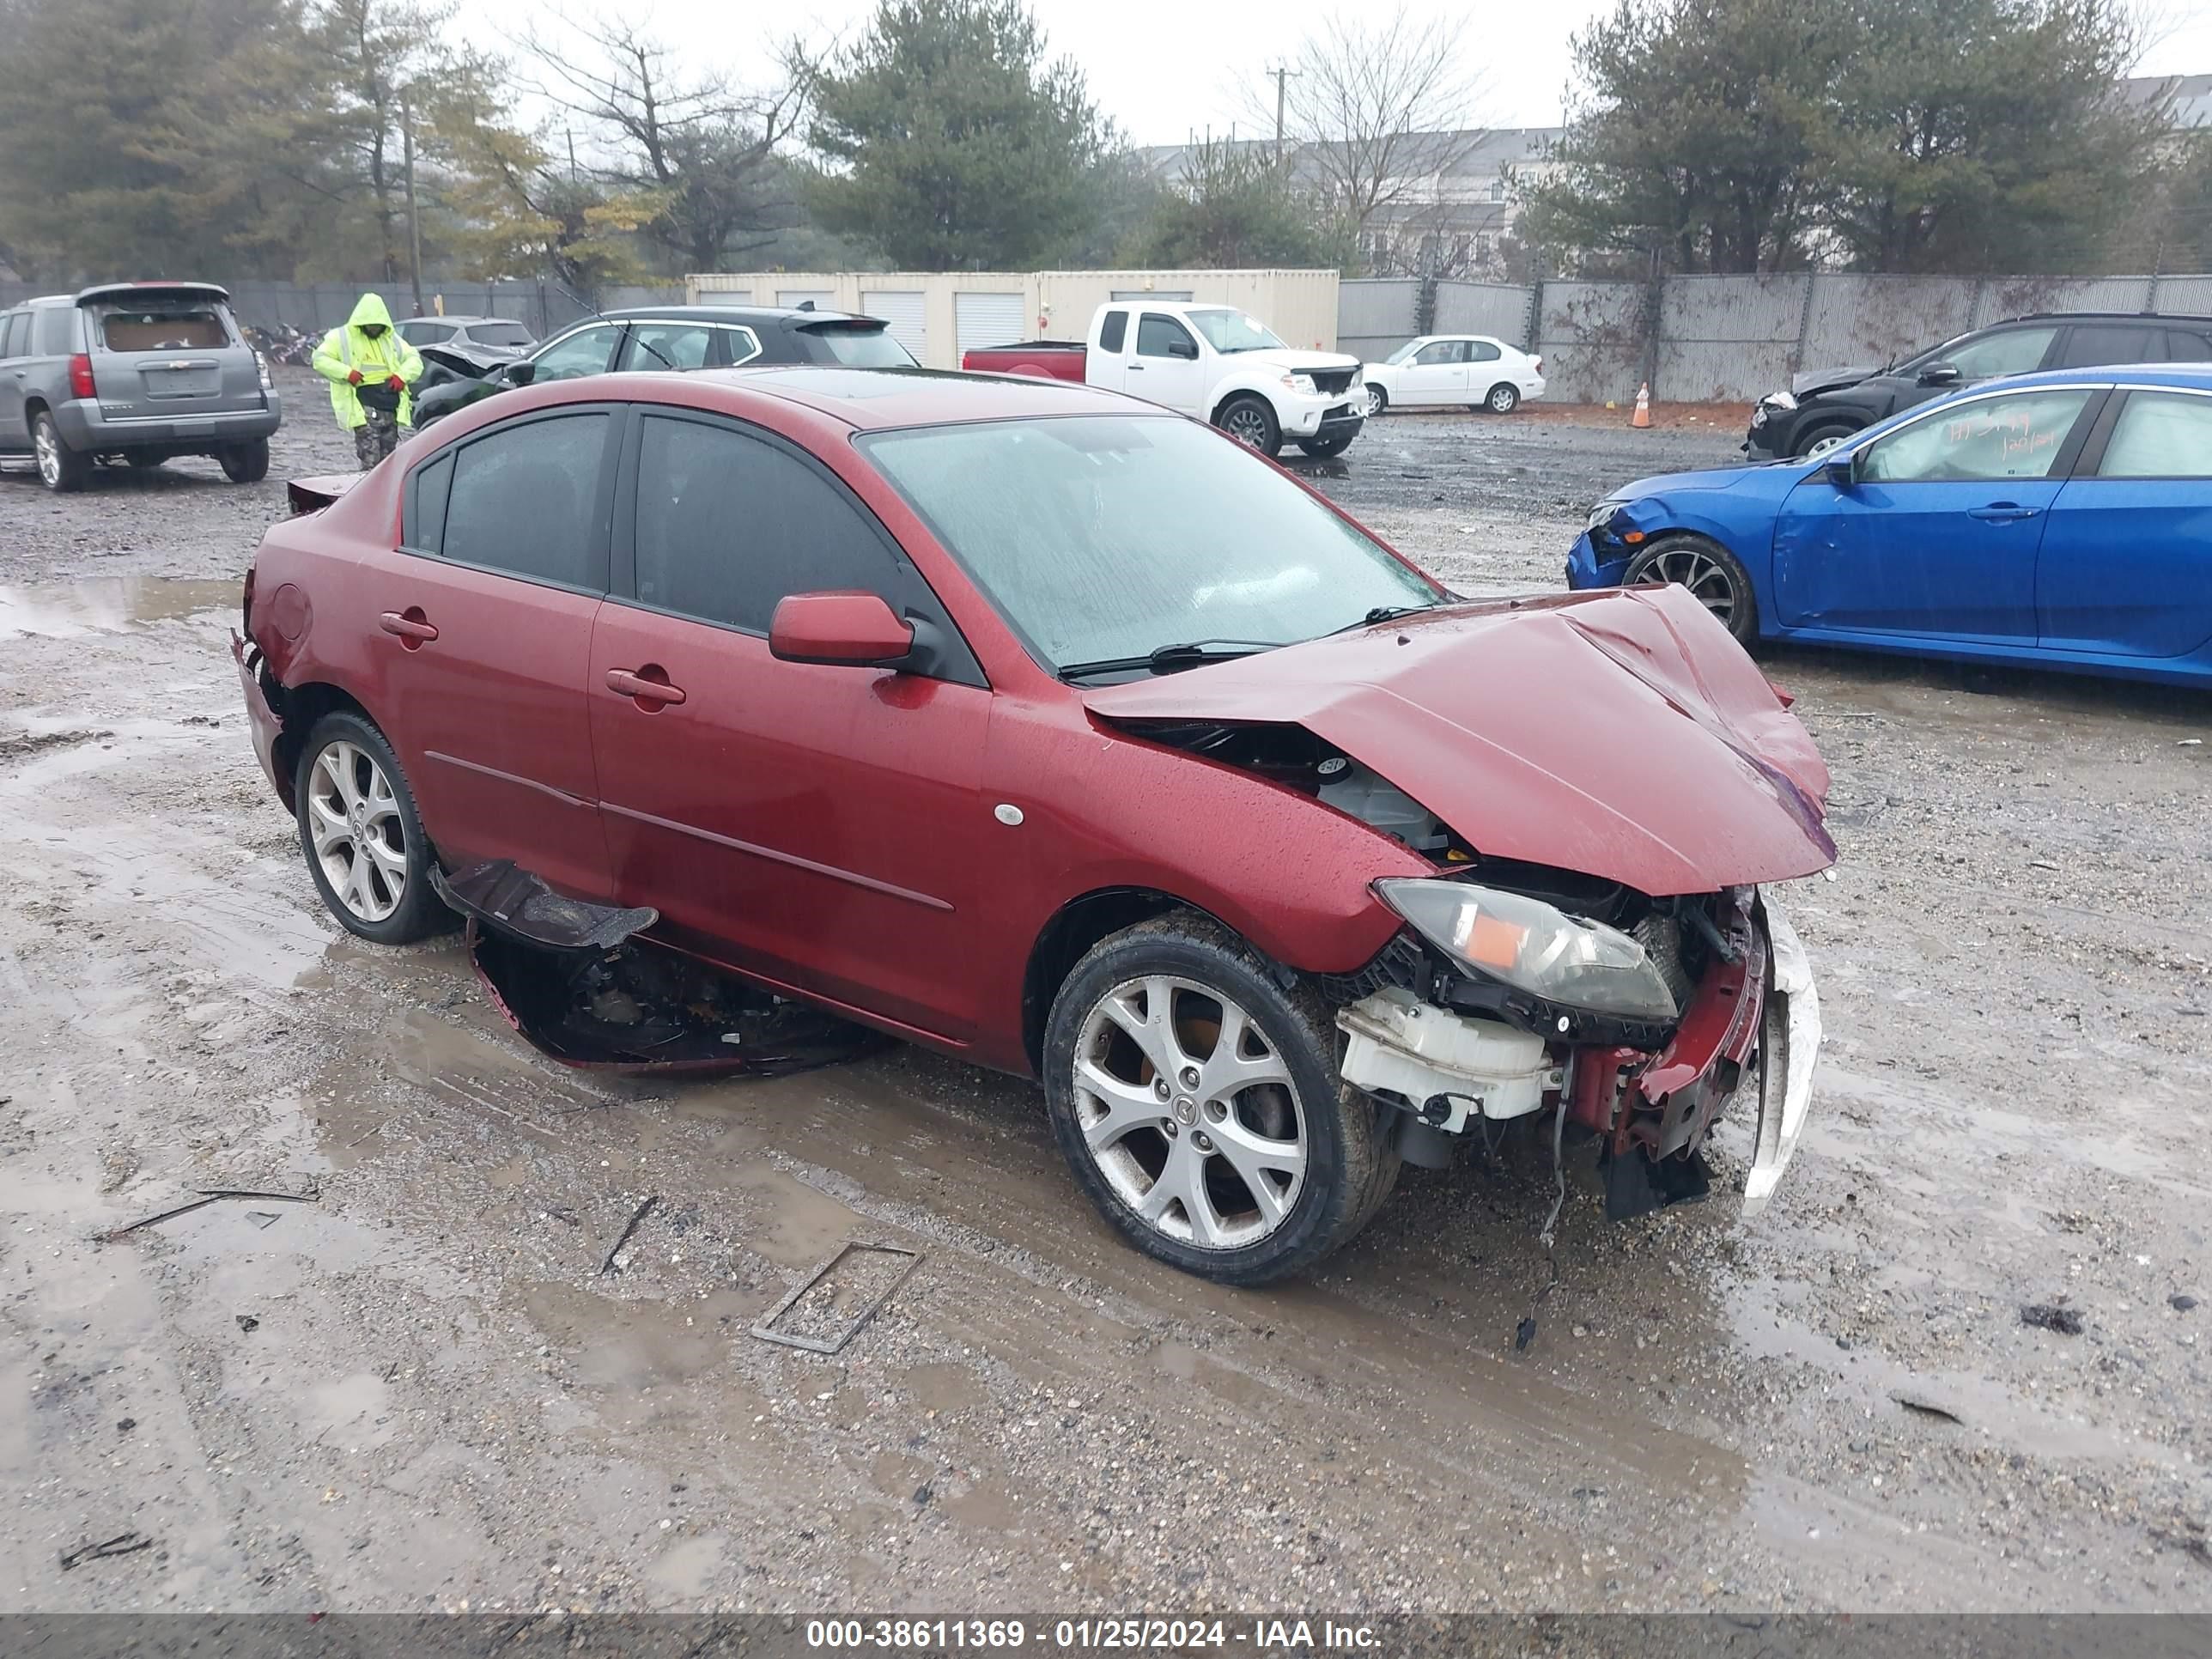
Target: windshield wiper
{"points": [[1382, 613], [1166, 658]]}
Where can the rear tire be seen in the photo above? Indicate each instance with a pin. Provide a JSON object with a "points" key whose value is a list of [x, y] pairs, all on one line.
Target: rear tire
{"points": [[1715, 577], [1504, 397], [61, 469], [1252, 422], [361, 835], [247, 463], [1378, 399], [1179, 997]]}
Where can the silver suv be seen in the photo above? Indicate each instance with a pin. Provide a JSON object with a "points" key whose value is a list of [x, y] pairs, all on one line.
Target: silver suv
{"points": [[134, 372]]}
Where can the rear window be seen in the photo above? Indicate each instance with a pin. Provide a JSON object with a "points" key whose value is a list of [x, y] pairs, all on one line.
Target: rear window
{"points": [[862, 348], [164, 328], [499, 334]]}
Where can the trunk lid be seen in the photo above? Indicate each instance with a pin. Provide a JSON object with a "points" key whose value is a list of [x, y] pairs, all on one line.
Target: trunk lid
{"points": [[167, 351], [1622, 734]]}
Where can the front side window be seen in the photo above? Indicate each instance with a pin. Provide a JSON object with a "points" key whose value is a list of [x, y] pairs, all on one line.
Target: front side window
{"points": [[1442, 352], [522, 501], [1163, 336], [2161, 435], [588, 351], [669, 345], [1992, 439], [1104, 537], [2010, 351], [1228, 331], [728, 525]]}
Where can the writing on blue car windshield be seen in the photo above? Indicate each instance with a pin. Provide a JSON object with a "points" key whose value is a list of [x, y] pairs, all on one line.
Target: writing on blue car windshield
{"points": [[1103, 539]]}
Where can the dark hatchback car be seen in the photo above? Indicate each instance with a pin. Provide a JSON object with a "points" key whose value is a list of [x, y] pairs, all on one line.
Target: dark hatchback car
{"points": [[1047, 728], [1825, 407], [679, 338]]}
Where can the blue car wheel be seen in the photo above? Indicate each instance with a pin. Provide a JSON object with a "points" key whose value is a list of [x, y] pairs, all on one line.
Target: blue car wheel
{"points": [[1715, 577]]}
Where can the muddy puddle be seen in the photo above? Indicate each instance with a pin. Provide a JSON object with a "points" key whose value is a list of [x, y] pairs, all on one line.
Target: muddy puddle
{"points": [[108, 604]]}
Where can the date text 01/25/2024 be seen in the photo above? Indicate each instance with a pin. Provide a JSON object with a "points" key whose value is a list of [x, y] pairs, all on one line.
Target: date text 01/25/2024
{"points": [[1086, 1634]]}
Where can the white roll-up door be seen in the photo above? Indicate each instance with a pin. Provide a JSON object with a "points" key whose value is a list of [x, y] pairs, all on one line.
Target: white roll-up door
{"points": [[986, 320], [904, 312], [822, 297]]}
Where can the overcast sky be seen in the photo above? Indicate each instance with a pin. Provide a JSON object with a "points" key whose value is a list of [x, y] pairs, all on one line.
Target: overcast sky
{"points": [[1163, 68]]}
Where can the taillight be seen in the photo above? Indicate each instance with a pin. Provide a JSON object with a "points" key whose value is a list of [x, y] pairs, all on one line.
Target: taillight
{"points": [[81, 384], [1539, 362]]}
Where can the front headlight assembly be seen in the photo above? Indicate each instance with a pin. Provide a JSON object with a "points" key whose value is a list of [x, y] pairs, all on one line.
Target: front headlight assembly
{"points": [[1301, 384], [1779, 400], [1601, 514], [1533, 946]]}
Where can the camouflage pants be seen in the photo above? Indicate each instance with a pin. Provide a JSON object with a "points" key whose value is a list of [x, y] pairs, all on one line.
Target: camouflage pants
{"points": [[372, 442]]}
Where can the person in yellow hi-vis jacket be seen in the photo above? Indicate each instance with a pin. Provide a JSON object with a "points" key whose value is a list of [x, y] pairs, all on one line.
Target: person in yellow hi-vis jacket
{"points": [[370, 368]]}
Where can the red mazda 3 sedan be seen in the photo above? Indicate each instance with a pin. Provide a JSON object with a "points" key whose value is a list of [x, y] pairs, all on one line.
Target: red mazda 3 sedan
{"points": [[1038, 725]]}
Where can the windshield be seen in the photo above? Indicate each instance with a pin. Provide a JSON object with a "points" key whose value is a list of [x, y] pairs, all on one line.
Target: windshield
{"points": [[1232, 330], [1405, 351], [1101, 538], [863, 348]]}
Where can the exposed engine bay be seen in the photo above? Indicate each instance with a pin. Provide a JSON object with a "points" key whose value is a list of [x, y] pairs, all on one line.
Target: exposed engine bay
{"points": [[1466, 1019]]}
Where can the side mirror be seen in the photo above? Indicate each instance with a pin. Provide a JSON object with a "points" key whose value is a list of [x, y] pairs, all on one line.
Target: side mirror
{"points": [[521, 372], [1186, 349], [1843, 473], [1941, 374], [855, 629]]}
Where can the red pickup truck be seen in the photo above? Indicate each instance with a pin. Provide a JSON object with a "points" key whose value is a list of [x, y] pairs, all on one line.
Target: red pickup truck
{"points": [[1048, 359]]}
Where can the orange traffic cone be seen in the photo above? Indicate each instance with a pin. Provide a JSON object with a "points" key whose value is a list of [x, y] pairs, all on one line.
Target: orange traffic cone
{"points": [[1643, 416]]}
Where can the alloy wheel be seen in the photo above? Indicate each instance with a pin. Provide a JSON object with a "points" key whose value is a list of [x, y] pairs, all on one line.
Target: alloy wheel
{"points": [[359, 837], [46, 444], [1821, 447], [1503, 398], [1248, 426], [1374, 403], [1189, 1112], [1707, 578]]}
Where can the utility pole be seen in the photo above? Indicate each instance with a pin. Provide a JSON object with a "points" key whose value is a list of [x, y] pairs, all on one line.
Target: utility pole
{"points": [[413, 220], [1282, 73]]}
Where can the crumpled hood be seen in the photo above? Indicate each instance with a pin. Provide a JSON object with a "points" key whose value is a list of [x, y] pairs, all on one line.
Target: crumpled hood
{"points": [[1292, 360], [1622, 734], [1831, 379]]}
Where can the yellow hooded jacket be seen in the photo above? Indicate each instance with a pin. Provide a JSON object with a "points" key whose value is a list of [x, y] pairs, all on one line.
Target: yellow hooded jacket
{"points": [[344, 350]]}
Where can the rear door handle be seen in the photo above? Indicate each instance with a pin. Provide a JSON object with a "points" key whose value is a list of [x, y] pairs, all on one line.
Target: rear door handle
{"points": [[647, 685], [411, 626], [2001, 512]]}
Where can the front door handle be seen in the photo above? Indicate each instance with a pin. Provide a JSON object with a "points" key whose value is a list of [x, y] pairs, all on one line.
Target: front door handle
{"points": [[648, 687], [413, 629], [2001, 512]]}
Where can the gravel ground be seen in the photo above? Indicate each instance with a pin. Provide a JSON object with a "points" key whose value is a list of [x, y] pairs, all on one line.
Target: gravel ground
{"points": [[420, 1390]]}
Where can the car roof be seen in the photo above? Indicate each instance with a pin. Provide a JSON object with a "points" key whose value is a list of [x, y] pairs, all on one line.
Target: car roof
{"points": [[457, 319], [878, 399], [756, 315], [2188, 377], [2103, 317]]}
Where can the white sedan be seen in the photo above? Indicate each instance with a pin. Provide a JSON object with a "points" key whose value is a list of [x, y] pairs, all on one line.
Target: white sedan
{"points": [[1467, 371]]}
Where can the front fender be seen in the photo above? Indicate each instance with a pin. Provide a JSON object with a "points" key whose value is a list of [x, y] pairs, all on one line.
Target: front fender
{"points": [[1685, 515]]}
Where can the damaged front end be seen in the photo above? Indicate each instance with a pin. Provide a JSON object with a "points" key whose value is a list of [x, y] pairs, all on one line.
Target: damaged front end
{"points": [[1639, 1020]]}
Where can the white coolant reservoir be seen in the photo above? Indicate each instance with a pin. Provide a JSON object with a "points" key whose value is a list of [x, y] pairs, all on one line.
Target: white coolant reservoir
{"points": [[1418, 1051]]}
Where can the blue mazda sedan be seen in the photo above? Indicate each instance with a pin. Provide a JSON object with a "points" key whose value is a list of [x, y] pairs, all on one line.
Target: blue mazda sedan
{"points": [[2061, 519]]}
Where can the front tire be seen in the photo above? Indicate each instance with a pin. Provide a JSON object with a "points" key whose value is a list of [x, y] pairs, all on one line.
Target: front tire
{"points": [[247, 463], [1504, 397], [1252, 422], [61, 469], [1817, 440], [361, 835], [1198, 1105], [1715, 577], [1321, 448]]}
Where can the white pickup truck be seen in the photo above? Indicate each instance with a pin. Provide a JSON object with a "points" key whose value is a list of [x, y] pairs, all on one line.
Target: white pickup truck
{"points": [[1211, 362]]}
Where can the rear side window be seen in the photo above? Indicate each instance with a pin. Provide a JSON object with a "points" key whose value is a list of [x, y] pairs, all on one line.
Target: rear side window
{"points": [[53, 331], [427, 333], [15, 327], [728, 524], [499, 334], [1482, 351], [2182, 346], [1114, 331], [522, 501], [168, 328], [2161, 435]]}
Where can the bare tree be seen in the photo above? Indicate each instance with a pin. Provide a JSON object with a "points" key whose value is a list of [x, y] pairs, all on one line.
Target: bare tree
{"points": [[709, 150], [1377, 116]]}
